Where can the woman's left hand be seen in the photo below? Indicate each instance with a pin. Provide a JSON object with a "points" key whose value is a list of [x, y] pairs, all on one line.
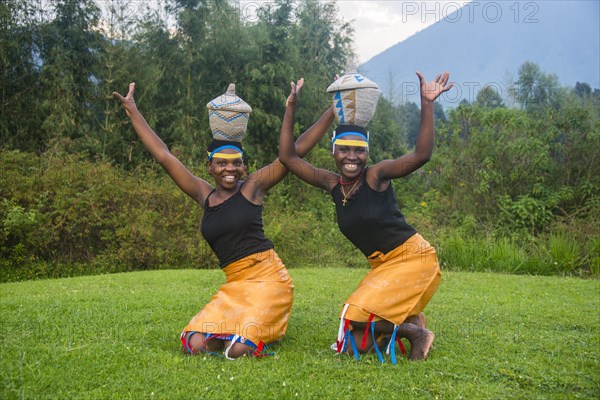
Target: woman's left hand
{"points": [[295, 89], [431, 90], [127, 101]]}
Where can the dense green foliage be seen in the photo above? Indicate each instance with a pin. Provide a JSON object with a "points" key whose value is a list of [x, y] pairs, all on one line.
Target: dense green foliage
{"points": [[116, 336], [60, 66], [58, 221], [508, 189]]}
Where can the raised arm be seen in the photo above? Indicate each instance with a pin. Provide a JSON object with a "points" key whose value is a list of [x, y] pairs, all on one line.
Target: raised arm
{"points": [[288, 154], [390, 169], [313, 135], [191, 185], [262, 180]]}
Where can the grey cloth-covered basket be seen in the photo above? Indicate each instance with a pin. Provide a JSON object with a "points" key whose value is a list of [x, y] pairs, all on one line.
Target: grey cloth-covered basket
{"points": [[228, 116], [354, 99]]}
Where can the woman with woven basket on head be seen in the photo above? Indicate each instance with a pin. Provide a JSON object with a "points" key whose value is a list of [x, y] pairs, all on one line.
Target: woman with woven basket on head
{"points": [[404, 271], [252, 308]]}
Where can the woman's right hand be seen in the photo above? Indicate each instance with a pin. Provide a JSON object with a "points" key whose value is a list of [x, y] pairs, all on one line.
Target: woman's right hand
{"points": [[127, 101], [432, 90]]}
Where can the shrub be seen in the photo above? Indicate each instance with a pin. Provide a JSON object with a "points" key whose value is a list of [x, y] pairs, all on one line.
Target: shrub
{"points": [[66, 211], [63, 216]]}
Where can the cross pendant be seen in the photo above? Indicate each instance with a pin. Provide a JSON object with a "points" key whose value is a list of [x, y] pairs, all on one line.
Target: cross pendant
{"points": [[344, 201]]}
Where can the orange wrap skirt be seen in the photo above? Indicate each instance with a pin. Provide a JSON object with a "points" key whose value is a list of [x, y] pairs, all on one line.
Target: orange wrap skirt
{"points": [[399, 284], [255, 302]]}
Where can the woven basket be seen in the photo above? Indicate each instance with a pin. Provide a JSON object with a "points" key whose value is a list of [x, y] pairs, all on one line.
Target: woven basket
{"points": [[354, 99], [228, 116]]}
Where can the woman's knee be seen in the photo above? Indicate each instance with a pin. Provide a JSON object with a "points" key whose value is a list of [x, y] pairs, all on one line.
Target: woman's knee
{"points": [[197, 342], [239, 350]]}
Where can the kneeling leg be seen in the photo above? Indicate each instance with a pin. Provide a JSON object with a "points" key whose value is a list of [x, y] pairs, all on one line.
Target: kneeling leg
{"points": [[197, 342], [237, 350]]}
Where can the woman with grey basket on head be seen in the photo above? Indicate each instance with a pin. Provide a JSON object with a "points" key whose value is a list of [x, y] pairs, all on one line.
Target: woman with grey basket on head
{"points": [[253, 307], [404, 275]]}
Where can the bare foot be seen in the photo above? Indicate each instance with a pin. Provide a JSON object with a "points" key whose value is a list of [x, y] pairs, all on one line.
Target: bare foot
{"points": [[421, 344]]}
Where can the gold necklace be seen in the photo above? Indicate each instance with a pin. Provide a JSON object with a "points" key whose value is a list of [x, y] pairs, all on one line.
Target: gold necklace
{"points": [[344, 200]]}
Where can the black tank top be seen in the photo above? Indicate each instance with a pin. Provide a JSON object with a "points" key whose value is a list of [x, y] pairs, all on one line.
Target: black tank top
{"points": [[234, 229], [371, 220]]}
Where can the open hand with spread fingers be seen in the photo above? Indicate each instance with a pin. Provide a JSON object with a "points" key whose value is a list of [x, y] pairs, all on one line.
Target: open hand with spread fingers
{"points": [[432, 90]]}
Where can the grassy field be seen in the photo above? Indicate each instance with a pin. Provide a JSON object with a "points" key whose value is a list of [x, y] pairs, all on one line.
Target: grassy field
{"points": [[116, 336]]}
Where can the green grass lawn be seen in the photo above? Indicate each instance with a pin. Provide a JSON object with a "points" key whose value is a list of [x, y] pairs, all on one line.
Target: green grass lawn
{"points": [[117, 336]]}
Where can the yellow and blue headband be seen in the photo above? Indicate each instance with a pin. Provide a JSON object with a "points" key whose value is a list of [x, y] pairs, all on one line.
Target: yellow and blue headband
{"points": [[215, 153], [352, 142]]}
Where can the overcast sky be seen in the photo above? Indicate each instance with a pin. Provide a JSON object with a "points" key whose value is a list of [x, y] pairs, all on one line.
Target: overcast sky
{"points": [[379, 25]]}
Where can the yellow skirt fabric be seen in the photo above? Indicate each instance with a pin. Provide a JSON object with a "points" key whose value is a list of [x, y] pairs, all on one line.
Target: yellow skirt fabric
{"points": [[255, 302], [399, 284]]}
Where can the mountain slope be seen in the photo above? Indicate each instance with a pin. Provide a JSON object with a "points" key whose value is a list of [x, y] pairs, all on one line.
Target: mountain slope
{"points": [[485, 42]]}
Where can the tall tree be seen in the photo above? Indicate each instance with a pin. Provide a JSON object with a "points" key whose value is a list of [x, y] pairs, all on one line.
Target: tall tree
{"points": [[211, 51], [20, 117], [410, 115], [69, 66], [293, 40], [270, 74], [323, 41], [121, 60], [535, 90], [489, 97], [386, 133], [583, 89]]}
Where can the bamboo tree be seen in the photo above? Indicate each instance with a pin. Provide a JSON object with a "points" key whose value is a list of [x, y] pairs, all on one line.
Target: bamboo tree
{"points": [[20, 117], [70, 62], [115, 66], [323, 41]]}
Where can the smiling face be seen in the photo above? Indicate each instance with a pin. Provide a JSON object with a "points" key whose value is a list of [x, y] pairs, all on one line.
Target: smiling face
{"points": [[227, 172], [350, 160]]}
